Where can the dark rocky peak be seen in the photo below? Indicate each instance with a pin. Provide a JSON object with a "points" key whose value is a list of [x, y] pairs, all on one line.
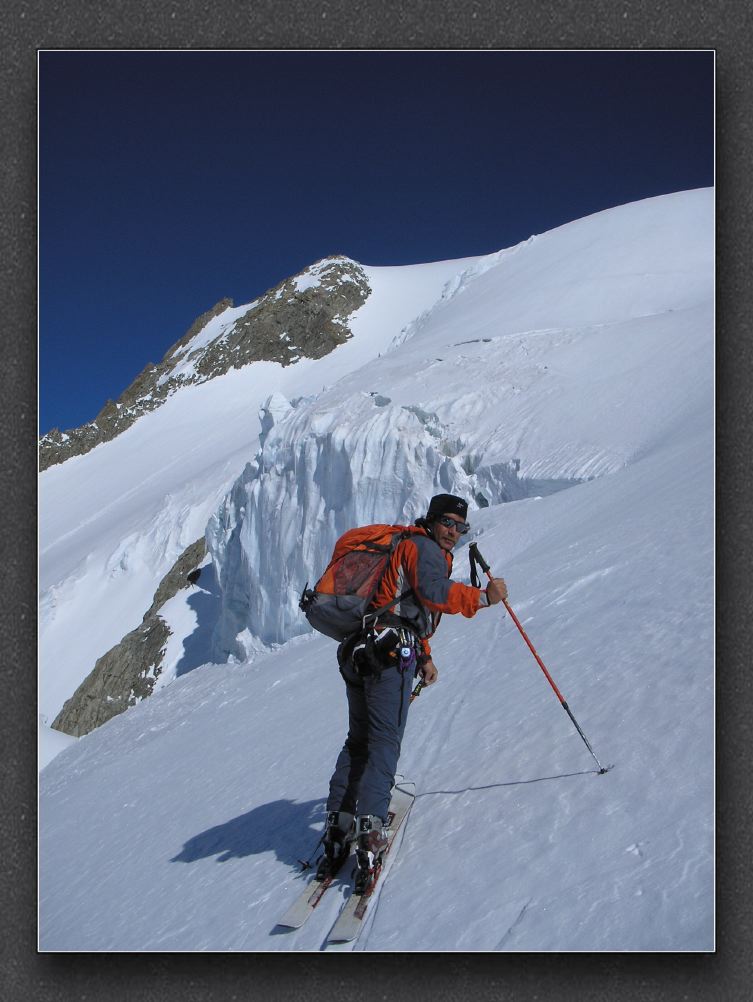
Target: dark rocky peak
{"points": [[305, 316]]}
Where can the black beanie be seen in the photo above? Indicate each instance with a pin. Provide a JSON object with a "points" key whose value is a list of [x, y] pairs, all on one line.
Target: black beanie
{"points": [[440, 504]]}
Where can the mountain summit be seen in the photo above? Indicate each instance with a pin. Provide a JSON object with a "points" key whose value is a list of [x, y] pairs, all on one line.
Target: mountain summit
{"points": [[303, 317]]}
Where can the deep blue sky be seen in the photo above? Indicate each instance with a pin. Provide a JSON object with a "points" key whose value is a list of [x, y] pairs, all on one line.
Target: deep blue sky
{"points": [[169, 180]]}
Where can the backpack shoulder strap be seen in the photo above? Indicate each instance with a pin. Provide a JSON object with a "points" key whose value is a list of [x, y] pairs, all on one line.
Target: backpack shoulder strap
{"points": [[400, 533]]}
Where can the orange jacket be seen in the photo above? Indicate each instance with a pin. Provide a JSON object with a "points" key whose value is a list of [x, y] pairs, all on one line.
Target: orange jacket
{"points": [[421, 567]]}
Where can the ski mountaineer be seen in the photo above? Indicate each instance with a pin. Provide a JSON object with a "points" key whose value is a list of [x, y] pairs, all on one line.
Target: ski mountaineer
{"points": [[378, 669]]}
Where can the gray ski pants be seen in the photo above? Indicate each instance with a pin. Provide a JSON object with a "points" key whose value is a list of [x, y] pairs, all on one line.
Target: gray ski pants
{"points": [[365, 768]]}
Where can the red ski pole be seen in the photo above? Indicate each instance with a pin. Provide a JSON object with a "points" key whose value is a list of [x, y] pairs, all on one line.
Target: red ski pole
{"points": [[486, 569]]}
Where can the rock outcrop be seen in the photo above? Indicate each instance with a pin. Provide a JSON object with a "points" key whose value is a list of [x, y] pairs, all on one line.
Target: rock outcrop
{"points": [[127, 673]]}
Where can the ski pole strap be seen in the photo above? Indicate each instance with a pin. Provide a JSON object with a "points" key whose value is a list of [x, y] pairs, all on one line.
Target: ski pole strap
{"points": [[476, 560]]}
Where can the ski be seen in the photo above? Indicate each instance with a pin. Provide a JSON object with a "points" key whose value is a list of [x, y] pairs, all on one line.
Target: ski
{"points": [[309, 898], [351, 918]]}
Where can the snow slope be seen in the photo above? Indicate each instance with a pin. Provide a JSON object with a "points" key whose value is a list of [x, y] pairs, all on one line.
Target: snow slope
{"points": [[583, 397]]}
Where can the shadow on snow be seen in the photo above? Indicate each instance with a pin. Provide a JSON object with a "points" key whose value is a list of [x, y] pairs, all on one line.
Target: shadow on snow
{"points": [[283, 827], [204, 600], [291, 830]]}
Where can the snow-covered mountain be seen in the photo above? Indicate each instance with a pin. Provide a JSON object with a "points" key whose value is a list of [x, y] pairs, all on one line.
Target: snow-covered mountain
{"points": [[113, 522], [565, 386], [304, 316]]}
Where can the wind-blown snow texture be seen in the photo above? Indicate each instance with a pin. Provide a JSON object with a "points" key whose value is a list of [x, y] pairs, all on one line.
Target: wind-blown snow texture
{"points": [[571, 377]]}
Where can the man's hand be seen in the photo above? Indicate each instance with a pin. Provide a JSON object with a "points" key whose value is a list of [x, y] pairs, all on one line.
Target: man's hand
{"points": [[429, 672], [496, 590]]}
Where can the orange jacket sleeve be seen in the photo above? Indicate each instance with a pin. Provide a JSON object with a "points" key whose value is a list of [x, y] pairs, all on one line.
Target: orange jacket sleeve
{"points": [[428, 569]]}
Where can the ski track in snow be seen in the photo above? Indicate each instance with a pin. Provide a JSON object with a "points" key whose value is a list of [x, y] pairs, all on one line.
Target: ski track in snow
{"points": [[517, 922], [587, 431]]}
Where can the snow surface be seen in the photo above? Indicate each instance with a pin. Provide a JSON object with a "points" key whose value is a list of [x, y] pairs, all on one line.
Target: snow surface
{"points": [[567, 386], [51, 742]]}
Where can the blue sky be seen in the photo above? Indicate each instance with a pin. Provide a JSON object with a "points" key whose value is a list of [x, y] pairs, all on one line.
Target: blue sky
{"points": [[169, 180]]}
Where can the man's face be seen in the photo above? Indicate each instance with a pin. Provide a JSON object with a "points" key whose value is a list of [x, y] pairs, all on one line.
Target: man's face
{"points": [[446, 535]]}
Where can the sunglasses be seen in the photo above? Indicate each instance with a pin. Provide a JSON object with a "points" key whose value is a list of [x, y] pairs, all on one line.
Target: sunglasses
{"points": [[450, 523]]}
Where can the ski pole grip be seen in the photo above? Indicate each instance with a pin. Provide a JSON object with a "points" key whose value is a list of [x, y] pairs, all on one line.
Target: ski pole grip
{"points": [[479, 559]]}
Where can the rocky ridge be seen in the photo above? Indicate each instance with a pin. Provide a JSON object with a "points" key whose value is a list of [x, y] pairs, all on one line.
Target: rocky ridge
{"points": [[305, 316], [127, 673]]}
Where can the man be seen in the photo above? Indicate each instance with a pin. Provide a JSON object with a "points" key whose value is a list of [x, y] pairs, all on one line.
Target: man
{"points": [[379, 669]]}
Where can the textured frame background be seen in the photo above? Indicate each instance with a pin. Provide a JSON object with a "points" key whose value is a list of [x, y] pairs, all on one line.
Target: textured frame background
{"points": [[26, 27]]}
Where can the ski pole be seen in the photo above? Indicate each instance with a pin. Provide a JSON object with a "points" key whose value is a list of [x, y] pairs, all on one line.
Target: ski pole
{"points": [[417, 691], [487, 570]]}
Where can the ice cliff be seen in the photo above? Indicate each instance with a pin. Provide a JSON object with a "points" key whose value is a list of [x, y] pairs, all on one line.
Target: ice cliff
{"points": [[323, 467]]}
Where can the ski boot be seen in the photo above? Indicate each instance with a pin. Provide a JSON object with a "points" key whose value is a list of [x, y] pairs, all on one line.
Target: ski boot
{"points": [[338, 834], [372, 841]]}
